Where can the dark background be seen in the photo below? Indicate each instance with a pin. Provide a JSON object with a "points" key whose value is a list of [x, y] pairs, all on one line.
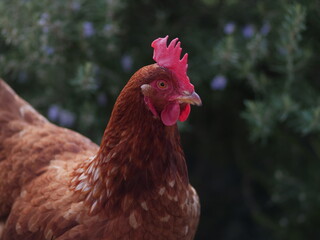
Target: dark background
{"points": [[252, 148]]}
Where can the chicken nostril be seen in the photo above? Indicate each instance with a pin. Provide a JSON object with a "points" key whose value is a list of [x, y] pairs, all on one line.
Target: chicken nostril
{"points": [[187, 93]]}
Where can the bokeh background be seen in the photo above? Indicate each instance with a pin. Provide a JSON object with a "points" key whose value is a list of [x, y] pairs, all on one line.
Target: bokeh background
{"points": [[252, 148]]}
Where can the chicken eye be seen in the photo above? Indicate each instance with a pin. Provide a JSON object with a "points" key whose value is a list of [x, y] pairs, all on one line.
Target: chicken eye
{"points": [[162, 84]]}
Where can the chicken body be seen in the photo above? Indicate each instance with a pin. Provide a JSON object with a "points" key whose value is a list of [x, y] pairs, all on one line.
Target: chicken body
{"points": [[57, 184]]}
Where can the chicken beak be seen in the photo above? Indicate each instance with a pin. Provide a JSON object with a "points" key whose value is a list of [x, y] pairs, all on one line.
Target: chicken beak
{"points": [[192, 98]]}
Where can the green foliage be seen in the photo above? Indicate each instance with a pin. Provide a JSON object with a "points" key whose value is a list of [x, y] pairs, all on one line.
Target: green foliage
{"points": [[290, 36], [277, 102], [254, 63]]}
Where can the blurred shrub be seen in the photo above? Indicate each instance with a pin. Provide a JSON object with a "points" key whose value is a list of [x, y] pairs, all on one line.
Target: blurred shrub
{"points": [[254, 63]]}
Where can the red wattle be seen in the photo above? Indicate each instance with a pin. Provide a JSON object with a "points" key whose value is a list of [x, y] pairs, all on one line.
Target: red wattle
{"points": [[170, 114], [185, 113]]}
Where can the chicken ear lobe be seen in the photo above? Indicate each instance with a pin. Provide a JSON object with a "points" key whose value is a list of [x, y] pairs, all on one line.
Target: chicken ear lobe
{"points": [[170, 114]]}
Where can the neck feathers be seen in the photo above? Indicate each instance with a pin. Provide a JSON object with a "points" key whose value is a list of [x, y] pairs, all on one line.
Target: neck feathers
{"points": [[137, 156]]}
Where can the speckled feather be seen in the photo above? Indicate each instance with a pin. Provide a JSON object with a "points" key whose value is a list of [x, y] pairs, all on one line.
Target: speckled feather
{"points": [[57, 184]]}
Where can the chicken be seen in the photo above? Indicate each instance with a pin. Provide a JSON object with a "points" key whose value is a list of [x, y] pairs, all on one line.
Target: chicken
{"points": [[57, 184]]}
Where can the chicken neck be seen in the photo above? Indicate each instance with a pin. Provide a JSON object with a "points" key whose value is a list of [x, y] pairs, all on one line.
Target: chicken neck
{"points": [[137, 156]]}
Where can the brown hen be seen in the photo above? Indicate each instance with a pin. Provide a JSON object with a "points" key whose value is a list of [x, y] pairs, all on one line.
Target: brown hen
{"points": [[57, 184]]}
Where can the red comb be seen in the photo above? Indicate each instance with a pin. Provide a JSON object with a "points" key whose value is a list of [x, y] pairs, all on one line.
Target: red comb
{"points": [[169, 57]]}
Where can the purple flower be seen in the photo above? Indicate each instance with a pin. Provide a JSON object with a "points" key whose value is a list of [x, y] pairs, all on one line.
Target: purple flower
{"points": [[48, 50], [265, 29], [88, 29], [66, 118], [102, 99], [45, 29], [126, 62], [43, 19], [219, 82], [229, 28], [248, 31], [53, 112]]}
